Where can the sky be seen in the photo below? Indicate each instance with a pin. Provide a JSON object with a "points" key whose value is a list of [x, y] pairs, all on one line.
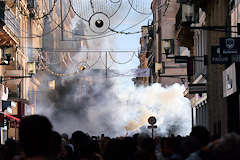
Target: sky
{"points": [[126, 17], [129, 42]]}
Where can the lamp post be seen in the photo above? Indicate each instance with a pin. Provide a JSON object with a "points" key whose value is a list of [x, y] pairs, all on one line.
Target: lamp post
{"points": [[168, 47], [190, 15], [7, 58], [189, 12], [31, 70]]}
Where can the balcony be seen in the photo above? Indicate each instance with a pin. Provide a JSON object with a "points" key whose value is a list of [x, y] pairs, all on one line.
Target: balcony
{"points": [[9, 26]]}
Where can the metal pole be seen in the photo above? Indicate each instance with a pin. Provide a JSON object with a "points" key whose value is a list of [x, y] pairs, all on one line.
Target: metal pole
{"points": [[106, 66], [152, 132], [15, 125], [192, 117], [61, 14]]}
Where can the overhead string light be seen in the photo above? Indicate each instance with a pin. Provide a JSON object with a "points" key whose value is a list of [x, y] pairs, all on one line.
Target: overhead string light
{"points": [[98, 20], [128, 61], [80, 67]]}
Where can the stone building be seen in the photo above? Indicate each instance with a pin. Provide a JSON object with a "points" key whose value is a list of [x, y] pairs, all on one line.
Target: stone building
{"points": [[145, 55], [16, 31], [163, 28], [218, 113]]}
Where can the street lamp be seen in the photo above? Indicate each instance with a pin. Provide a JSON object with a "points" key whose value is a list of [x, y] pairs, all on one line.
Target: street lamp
{"points": [[6, 57], [82, 68], [168, 47], [189, 11], [189, 14], [31, 68]]}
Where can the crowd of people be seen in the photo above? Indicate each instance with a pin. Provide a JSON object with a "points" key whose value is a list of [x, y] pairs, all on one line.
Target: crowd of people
{"points": [[38, 141]]}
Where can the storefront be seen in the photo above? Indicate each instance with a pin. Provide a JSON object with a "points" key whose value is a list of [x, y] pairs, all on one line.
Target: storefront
{"points": [[197, 94], [231, 83]]}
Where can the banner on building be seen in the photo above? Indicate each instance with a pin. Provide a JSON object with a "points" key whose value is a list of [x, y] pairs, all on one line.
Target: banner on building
{"points": [[141, 72]]}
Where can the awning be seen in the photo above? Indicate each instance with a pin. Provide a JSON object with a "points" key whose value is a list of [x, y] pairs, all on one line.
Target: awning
{"points": [[11, 117]]}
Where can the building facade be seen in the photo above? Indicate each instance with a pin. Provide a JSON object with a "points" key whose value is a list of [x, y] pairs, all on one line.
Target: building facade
{"points": [[16, 30], [217, 107], [163, 68]]}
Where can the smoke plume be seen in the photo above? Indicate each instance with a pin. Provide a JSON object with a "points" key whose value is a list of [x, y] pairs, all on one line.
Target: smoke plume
{"points": [[105, 107]]}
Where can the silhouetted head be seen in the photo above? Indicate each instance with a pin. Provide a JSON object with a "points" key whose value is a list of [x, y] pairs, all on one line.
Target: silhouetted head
{"points": [[56, 143], [201, 134], [227, 148], [9, 149], [35, 133], [80, 140]]}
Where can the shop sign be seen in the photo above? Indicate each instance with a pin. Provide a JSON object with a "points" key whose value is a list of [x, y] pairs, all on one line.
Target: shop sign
{"points": [[229, 81], [181, 59], [217, 57], [229, 45], [197, 88]]}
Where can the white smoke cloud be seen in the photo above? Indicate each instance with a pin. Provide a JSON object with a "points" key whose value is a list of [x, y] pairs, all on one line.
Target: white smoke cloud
{"points": [[115, 111]]}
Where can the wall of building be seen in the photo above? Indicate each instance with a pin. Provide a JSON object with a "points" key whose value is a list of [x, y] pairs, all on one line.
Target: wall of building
{"points": [[19, 42], [217, 106], [165, 20]]}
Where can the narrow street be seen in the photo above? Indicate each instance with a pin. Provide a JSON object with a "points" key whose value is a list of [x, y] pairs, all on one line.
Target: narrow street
{"points": [[119, 80]]}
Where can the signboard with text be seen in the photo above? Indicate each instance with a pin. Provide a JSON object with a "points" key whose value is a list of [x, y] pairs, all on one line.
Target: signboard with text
{"points": [[181, 59], [229, 45], [217, 57], [197, 88]]}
